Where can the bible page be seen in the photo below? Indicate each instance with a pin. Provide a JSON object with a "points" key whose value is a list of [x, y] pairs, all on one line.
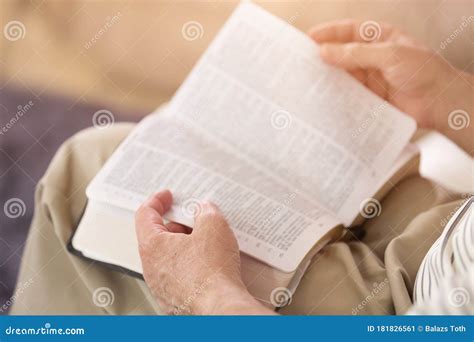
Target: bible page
{"points": [[272, 222], [262, 89], [287, 146]]}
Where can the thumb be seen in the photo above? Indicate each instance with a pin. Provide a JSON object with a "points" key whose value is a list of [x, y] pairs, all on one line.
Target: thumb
{"points": [[360, 55]]}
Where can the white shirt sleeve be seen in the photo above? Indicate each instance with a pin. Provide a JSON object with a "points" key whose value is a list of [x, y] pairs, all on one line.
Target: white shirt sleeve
{"points": [[444, 283]]}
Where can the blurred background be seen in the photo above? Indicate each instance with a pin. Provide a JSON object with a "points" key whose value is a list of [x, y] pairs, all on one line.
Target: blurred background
{"points": [[62, 61]]}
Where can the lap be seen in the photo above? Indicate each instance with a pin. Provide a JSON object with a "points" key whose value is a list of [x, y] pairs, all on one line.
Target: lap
{"points": [[60, 283], [358, 277], [376, 275]]}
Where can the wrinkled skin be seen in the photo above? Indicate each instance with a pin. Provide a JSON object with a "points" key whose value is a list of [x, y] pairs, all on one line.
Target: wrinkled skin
{"points": [[191, 272]]}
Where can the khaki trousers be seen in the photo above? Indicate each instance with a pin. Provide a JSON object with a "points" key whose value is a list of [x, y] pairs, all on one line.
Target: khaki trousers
{"points": [[374, 275]]}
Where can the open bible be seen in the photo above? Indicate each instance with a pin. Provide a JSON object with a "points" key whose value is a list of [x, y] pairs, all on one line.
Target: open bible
{"points": [[291, 150]]}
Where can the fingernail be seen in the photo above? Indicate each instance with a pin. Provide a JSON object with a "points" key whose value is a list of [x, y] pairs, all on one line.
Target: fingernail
{"points": [[312, 31], [325, 50], [157, 194], [329, 52], [207, 207]]}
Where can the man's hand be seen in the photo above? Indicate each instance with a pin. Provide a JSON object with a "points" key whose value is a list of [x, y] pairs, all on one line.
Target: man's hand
{"points": [[194, 272], [402, 71]]}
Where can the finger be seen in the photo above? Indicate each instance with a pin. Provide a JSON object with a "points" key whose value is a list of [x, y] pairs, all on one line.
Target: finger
{"points": [[338, 31], [174, 227], [376, 82], [360, 55], [161, 201], [210, 220], [360, 75], [149, 217], [372, 79], [349, 30]]}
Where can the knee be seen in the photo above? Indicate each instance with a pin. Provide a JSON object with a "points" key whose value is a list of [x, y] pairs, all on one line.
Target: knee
{"points": [[96, 142], [80, 157]]}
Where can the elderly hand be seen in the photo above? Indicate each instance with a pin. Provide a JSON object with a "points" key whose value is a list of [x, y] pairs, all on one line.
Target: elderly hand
{"points": [[399, 69], [194, 272]]}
